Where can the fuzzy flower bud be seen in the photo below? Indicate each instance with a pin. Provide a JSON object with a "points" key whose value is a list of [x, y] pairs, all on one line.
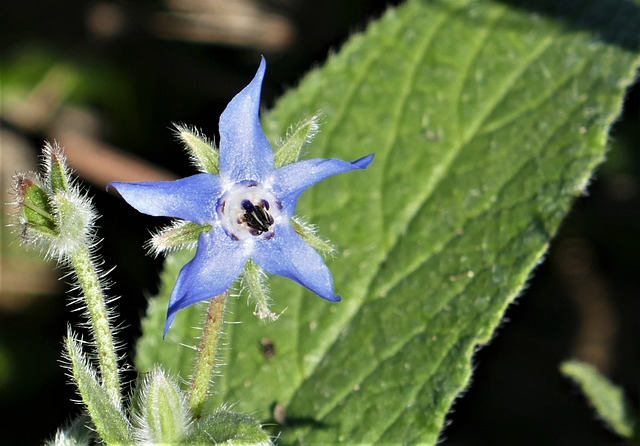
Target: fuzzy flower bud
{"points": [[53, 214], [163, 416]]}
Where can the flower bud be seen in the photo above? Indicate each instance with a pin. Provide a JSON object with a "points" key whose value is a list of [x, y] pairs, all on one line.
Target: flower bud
{"points": [[163, 416], [53, 214]]}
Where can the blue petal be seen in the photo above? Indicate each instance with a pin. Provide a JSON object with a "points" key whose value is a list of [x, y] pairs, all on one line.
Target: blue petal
{"points": [[216, 265], [193, 198], [287, 254], [245, 152], [291, 180]]}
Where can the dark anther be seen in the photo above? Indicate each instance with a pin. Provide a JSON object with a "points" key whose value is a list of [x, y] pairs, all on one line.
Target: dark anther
{"points": [[247, 205], [257, 217]]}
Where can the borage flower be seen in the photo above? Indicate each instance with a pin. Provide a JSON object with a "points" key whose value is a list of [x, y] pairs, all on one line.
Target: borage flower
{"points": [[246, 211]]}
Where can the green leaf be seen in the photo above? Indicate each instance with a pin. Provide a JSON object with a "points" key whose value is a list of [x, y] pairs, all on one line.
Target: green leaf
{"points": [[227, 427], [487, 119], [607, 399], [110, 423]]}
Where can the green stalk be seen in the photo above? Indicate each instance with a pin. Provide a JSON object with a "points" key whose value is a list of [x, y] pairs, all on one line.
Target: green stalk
{"points": [[206, 360], [98, 319]]}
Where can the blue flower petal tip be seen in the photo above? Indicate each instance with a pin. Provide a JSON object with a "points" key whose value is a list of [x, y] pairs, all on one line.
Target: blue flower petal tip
{"points": [[336, 298], [364, 162], [167, 325], [248, 206]]}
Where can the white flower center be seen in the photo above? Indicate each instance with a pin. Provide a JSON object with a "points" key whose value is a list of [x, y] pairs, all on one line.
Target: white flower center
{"points": [[248, 210]]}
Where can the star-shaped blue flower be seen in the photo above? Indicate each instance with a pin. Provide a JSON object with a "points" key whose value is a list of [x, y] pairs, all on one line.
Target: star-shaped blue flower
{"points": [[249, 207]]}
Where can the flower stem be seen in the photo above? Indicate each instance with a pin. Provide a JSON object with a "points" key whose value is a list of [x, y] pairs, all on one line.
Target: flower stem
{"points": [[94, 298], [207, 351]]}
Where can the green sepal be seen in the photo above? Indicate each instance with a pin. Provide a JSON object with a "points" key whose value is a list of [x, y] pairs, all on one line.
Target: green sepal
{"points": [[109, 420], [254, 281], [181, 234], [203, 152], [227, 427], [291, 148], [309, 235], [607, 399], [36, 208], [79, 432], [163, 416], [74, 217], [57, 169]]}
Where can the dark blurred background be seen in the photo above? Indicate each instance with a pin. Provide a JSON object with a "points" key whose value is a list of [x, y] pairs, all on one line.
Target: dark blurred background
{"points": [[107, 79]]}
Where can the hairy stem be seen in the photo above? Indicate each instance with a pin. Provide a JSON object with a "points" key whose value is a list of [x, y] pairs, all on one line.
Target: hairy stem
{"points": [[94, 298], [206, 360]]}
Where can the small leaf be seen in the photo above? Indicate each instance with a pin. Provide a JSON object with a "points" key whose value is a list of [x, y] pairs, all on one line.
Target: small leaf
{"points": [[228, 427], [110, 423], [607, 399], [163, 416]]}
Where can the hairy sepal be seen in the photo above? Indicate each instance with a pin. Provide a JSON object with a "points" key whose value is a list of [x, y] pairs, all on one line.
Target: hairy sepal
{"points": [[290, 149], [163, 415], [179, 235], [110, 422], [202, 151]]}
